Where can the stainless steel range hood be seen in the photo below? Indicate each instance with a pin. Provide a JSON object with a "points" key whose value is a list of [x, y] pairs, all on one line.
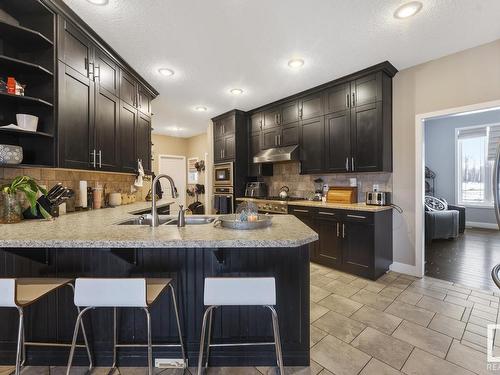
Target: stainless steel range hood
{"points": [[274, 155]]}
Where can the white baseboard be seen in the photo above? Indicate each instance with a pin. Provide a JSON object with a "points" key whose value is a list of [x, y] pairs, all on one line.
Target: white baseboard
{"points": [[404, 268], [475, 224]]}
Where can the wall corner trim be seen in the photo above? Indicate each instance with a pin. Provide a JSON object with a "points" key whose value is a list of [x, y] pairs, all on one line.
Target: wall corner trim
{"points": [[404, 268]]}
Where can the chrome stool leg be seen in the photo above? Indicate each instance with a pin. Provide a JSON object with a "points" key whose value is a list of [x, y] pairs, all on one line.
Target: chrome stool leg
{"points": [[150, 348], [75, 336], [113, 366], [84, 333], [20, 340], [202, 339], [174, 301], [277, 340], [209, 336]]}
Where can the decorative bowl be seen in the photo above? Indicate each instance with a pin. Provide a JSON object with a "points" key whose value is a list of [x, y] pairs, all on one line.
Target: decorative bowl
{"points": [[27, 122], [10, 154]]}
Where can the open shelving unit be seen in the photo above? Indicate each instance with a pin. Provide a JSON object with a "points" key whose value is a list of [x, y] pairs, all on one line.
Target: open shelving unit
{"points": [[27, 53]]}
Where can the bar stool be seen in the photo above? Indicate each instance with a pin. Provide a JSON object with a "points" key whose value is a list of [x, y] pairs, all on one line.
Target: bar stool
{"points": [[116, 293], [21, 293], [246, 291]]}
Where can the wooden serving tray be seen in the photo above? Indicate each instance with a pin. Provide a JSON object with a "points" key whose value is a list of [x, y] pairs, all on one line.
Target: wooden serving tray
{"points": [[342, 194]]}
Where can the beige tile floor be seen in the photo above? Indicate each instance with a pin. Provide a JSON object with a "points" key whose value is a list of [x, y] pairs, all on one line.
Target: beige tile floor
{"points": [[396, 325]]}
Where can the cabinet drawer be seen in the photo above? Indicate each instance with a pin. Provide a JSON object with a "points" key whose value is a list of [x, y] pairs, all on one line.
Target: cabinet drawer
{"points": [[358, 216]]}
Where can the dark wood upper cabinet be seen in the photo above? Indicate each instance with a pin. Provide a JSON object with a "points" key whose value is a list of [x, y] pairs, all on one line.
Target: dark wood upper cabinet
{"points": [[256, 122], [311, 106], [143, 141], [76, 119], [338, 142], [224, 126], [367, 138], [107, 140], [128, 89], [144, 100], [289, 135], [75, 49], [289, 113], [311, 145], [270, 137], [128, 133], [337, 98], [271, 117], [107, 74], [366, 90]]}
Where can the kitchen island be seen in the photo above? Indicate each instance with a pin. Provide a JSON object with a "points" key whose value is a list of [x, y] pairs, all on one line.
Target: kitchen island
{"points": [[92, 244]]}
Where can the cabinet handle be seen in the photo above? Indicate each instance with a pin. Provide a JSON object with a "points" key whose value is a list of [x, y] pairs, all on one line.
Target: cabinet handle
{"points": [[326, 213], [353, 99], [279, 118], [100, 159], [343, 230], [352, 164], [93, 154], [356, 216], [300, 112], [347, 164], [98, 76], [298, 210], [279, 139], [347, 100], [260, 121], [338, 229], [90, 69]]}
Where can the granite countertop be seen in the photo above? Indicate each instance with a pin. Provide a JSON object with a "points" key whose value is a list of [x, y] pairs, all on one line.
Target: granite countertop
{"points": [[98, 229], [362, 206]]}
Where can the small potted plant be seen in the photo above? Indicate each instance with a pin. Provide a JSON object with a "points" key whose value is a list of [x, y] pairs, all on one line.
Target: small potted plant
{"points": [[10, 205]]}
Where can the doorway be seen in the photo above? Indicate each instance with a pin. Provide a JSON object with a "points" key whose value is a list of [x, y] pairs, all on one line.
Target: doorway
{"points": [[175, 167], [461, 244]]}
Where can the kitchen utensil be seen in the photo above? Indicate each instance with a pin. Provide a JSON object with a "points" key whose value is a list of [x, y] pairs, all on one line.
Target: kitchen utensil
{"points": [[284, 192], [11, 154], [232, 221], [342, 194], [27, 122], [115, 199], [97, 198]]}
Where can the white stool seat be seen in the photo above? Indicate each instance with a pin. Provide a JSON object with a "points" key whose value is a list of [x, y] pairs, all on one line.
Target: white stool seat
{"points": [[110, 292], [24, 292], [234, 291]]}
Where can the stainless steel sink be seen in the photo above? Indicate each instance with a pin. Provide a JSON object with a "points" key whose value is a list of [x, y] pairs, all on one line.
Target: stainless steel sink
{"points": [[145, 220], [168, 220], [193, 220]]}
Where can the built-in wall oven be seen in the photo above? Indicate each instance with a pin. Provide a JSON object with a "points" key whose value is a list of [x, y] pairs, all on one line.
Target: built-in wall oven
{"points": [[224, 199], [223, 174]]}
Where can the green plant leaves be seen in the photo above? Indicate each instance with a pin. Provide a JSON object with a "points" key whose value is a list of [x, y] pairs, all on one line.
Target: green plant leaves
{"points": [[30, 188]]}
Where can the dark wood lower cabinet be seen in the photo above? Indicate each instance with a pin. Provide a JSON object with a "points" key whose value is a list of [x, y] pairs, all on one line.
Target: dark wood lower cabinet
{"points": [[357, 242]]}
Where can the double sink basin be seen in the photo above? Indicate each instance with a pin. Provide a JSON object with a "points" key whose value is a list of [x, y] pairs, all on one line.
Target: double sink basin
{"points": [[168, 220]]}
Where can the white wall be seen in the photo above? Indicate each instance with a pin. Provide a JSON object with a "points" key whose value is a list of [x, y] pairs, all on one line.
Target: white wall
{"points": [[468, 77]]}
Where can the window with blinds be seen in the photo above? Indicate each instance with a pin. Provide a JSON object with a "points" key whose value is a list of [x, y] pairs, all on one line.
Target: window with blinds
{"points": [[476, 151]]}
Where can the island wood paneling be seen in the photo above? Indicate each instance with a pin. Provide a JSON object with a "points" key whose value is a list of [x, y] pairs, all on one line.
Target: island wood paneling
{"points": [[53, 317]]}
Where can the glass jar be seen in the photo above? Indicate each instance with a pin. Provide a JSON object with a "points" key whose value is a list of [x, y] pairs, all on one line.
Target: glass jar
{"points": [[10, 209]]}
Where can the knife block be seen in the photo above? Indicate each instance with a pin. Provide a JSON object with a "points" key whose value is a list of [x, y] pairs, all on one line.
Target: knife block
{"points": [[45, 203]]}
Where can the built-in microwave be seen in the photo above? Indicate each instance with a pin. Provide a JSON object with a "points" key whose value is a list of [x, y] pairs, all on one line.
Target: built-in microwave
{"points": [[223, 174]]}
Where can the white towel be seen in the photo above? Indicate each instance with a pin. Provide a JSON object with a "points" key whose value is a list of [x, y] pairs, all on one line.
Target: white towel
{"points": [[139, 180]]}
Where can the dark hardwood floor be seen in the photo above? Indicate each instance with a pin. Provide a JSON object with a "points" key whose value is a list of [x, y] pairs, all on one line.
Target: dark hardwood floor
{"points": [[467, 260]]}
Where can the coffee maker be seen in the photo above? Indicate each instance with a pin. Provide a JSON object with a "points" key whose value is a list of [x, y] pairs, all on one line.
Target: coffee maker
{"points": [[318, 189]]}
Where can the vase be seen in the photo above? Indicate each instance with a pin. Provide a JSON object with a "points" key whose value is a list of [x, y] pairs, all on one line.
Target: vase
{"points": [[10, 209]]}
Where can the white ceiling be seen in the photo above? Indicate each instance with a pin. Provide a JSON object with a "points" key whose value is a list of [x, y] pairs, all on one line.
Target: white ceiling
{"points": [[216, 45]]}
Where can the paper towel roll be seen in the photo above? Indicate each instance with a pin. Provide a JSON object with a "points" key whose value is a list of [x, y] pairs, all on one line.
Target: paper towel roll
{"points": [[83, 194]]}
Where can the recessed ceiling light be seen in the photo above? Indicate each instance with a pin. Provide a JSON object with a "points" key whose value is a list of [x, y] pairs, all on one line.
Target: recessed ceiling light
{"points": [[296, 63], [166, 72], [98, 2], [200, 108], [408, 9], [174, 128], [236, 91]]}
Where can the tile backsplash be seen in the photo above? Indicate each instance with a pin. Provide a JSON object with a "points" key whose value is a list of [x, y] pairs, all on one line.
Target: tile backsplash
{"points": [[115, 182], [301, 185]]}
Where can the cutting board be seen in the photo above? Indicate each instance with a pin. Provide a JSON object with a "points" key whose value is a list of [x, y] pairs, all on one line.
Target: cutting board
{"points": [[342, 194]]}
